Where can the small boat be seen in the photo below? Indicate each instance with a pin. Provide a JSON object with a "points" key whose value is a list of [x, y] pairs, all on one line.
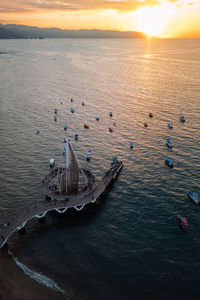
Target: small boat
{"points": [[110, 129], [86, 126], [37, 132], [65, 126], [110, 114], [170, 126], [194, 197], [89, 155], [131, 144], [76, 137], [182, 119], [52, 162], [60, 102], [145, 125], [150, 115], [71, 100], [72, 110], [183, 223], [168, 143], [55, 110], [169, 162], [83, 103], [55, 118], [97, 117]]}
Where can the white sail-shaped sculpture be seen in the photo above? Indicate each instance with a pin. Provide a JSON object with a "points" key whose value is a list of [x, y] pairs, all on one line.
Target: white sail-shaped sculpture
{"points": [[69, 170]]}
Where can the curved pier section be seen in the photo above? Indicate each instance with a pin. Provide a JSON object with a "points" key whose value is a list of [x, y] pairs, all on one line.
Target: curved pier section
{"points": [[77, 202]]}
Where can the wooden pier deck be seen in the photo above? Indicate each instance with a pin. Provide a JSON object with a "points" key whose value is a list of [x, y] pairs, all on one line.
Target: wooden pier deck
{"points": [[75, 201]]}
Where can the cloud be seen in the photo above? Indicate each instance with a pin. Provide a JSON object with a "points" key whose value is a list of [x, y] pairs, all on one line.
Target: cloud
{"points": [[37, 6], [70, 5]]}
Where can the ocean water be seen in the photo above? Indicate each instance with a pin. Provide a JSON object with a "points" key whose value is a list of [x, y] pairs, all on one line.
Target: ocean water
{"points": [[128, 245]]}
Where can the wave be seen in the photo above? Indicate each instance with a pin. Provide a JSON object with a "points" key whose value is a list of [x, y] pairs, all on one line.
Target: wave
{"points": [[37, 276]]}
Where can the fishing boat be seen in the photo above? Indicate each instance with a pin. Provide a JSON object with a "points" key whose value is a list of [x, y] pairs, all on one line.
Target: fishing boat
{"points": [[71, 100], [55, 118], [55, 110], [194, 197], [110, 114], [145, 125], [110, 129], [170, 126], [97, 117], [150, 115], [169, 162], [89, 155], [86, 126], [37, 132], [83, 103], [76, 137], [168, 143], [182, 119], [65, 126], [183, 223], [72, 110]]}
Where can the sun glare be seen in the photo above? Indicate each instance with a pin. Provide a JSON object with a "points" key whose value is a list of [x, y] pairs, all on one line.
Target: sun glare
{"points": [[154, 20]]}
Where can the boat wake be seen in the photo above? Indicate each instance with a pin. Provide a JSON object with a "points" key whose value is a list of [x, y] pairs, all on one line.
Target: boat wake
{"points": [[37, 276]]}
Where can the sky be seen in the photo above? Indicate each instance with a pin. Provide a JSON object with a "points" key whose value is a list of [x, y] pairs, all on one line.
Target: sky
{"points": [[161, 18]]}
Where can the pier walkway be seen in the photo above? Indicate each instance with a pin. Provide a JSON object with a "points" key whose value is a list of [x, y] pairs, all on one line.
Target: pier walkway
{"points": [[75, 201]]}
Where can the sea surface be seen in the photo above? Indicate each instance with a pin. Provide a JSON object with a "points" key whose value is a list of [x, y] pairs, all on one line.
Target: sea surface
{"points": [[128, 245]]}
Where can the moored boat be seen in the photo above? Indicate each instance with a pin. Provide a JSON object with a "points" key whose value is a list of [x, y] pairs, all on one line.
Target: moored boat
{"points": [[168, 143], [131, 144], [169, 162], [194, 197], [89, 155], [170, 126], [183, 223], [182, 119], [52, 162]]}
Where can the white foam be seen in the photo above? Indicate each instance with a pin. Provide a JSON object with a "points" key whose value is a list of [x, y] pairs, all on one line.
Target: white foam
{"points": [[37, 276]]}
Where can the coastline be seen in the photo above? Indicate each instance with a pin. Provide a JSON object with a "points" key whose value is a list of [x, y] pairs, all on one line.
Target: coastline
{"points": [[14, 284]]}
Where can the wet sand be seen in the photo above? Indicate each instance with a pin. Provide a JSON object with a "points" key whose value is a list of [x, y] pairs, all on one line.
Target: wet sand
{"points": [[15, 285]]}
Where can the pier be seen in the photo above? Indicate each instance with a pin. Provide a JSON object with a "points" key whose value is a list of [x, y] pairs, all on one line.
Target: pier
{"points": [[75, 201]]}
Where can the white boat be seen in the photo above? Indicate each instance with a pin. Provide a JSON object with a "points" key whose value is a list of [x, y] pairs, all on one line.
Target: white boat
{"points": [[182, 118], [72, 110], [194, 197], [52, 162], [97, 117], [168, 143], [65, 126], [170, 126], [131, 144], [110, 114], [169, 162], [89, 155]]}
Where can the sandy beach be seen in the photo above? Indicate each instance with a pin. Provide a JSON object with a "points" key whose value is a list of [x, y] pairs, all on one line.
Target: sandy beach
{"points": [[14, 284]]}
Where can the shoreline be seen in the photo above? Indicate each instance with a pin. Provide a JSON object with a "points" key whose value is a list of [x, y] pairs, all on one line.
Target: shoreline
{"points": [[14, 284]]}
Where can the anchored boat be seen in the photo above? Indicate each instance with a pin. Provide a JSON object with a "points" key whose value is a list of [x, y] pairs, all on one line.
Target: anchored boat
{"points": [[194, 197]]}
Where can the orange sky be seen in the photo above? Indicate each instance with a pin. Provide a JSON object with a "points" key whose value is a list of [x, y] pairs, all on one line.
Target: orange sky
{"points": [[163, 18]]}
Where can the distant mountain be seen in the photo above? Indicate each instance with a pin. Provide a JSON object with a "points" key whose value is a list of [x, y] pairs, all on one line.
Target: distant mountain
{"points": [[8, 34], [36, 32]]}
